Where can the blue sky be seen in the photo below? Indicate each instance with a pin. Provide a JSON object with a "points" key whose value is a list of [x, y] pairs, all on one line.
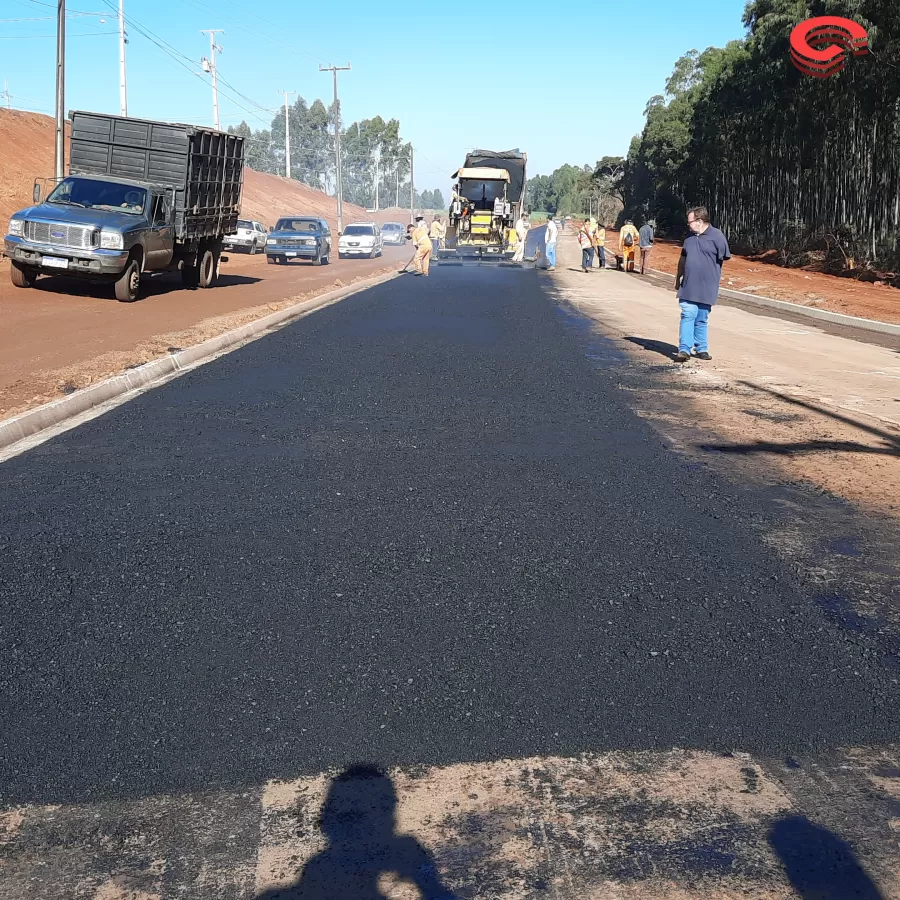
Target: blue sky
{"points": [[586, 69]]}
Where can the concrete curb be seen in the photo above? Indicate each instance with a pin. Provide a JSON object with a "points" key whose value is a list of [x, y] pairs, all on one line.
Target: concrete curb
{"points": [[822, 315], [50, 415]]}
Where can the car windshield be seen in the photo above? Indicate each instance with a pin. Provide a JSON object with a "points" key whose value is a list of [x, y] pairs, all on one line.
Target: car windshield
{"points": [[392, 226], [297, 225], [243, 223], [92, 194], [366, 230]]}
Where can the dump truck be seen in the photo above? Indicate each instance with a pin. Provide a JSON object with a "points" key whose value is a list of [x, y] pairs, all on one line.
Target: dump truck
{"points": [[140, 197], [487, 200]]}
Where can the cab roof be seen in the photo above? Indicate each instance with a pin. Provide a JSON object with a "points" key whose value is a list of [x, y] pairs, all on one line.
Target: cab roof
{"points": [[482, 173]]}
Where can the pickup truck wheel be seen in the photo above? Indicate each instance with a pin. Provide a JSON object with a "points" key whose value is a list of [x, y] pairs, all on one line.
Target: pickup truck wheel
{"points": [[208, 267], [129, 282], [22, 276], [326, 260], [317, 261], [253, 249]]}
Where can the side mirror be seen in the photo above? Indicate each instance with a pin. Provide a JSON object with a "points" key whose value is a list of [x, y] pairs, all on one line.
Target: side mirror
{"points": [[36, 193]]}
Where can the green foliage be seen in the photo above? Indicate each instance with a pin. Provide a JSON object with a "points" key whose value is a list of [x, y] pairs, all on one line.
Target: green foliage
{"points": [[782, 160], [368, 148]]}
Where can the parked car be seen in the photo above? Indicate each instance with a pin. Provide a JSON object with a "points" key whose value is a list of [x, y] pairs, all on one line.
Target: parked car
{"points": [[249, 235], [393, 233], [299, 237], [361, 239]]}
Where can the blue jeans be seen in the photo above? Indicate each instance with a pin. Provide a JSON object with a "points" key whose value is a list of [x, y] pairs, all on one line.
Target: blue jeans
{"points": [[587, 257], [601, 253], [694, 331], [551, 254]]}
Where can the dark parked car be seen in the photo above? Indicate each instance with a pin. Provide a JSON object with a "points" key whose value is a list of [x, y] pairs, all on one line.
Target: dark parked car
{"points": [[299, 237]]}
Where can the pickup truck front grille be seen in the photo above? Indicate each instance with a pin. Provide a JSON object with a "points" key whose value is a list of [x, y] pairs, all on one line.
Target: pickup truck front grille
{"points": [[81, 237]]}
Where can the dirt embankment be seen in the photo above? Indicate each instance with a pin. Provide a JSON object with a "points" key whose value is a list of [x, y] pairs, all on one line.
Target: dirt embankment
{"points": [[876, 300], [26, 153]]}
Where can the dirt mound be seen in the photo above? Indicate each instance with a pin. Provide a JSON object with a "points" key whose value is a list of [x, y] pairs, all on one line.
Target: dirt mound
{"points": [[26, 152], [266, 197]]}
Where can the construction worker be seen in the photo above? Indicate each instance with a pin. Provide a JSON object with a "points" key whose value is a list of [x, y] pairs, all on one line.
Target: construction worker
{"points": [[586, 242], [628, 242], [436, 233], [521, 234], [422, 241], [646, 244], [600, 245]]}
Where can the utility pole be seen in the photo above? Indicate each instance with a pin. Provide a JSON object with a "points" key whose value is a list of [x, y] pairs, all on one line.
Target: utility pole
{"points": [[7, 94], [209, 65], [339, 185], [398, 184], [60, 89], [287, 135], [123, 40], [377, 157], [412, 187]]}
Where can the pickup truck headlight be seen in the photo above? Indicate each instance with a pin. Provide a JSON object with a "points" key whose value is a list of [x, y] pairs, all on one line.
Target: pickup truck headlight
{"points": [[271, 241], [111, 240], [16, 226]]}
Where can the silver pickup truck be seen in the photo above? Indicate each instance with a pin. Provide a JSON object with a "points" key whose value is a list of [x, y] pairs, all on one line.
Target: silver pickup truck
{"points": [[141, 197]]}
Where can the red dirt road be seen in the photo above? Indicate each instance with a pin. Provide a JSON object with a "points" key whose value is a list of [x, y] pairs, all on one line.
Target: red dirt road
{"points": [[64, 334]]}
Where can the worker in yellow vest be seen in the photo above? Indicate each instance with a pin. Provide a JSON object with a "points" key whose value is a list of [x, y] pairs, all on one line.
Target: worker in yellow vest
{"points": [[629, 238], [422, 259]]}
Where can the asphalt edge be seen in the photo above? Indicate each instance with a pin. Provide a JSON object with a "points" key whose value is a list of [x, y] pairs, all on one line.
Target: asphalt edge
{"points": [[50, 415], [822, 315]]}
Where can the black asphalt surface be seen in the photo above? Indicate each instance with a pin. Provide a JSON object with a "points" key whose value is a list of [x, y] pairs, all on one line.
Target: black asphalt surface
{"points": [[420, 526]]}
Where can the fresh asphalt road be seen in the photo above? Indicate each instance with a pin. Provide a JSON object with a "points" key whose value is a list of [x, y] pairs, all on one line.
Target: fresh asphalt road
{"points": [[419, 526]]}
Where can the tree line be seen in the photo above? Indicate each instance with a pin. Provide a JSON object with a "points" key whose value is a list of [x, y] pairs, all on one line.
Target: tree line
{"points": [[806, 167], [372, 151]]}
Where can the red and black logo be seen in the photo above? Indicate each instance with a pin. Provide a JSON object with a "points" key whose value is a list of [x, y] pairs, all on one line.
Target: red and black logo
{"points": [[820, 47]]}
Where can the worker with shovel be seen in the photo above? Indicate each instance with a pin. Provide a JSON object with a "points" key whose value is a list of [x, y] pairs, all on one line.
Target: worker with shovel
{"points": [[421, 239]]}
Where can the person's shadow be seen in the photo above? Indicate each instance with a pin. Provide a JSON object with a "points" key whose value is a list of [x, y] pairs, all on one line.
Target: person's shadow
{"points": [[363, 852], [819, 864]]}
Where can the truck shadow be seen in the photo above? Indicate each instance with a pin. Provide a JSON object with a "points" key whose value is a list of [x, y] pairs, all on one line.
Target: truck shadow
{"points": [[150, 287]]}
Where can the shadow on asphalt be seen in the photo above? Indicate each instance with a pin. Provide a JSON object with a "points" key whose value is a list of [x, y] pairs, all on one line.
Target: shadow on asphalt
{"points": [[150, 287], [819, 864], [359, 820], [660, 347], [890, 445]]}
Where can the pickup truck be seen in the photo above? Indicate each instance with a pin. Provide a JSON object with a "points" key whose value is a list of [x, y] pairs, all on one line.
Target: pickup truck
{"points": [[299, 237], [140, 197]]}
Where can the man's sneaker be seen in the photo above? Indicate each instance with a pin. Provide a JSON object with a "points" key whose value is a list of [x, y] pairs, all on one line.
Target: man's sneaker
{"points": [[703, 355], [681, 356]]}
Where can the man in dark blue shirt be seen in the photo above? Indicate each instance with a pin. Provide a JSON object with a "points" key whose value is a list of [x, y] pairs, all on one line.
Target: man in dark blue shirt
{"points": [[697, 282]]}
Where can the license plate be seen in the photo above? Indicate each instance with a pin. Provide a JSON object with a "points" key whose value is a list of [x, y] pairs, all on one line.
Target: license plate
{"points": [[54, 262], [291, 253]]}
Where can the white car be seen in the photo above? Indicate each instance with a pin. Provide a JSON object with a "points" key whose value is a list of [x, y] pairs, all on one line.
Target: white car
{"points": [[393, 233], [361, 239], [250, 236]]}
